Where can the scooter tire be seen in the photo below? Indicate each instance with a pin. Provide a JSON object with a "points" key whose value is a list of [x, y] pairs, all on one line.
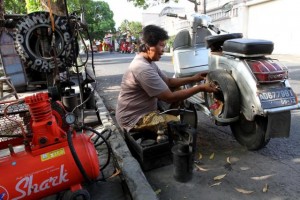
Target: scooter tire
{"points": [[229, 95], [251, 134], [28, 43]]}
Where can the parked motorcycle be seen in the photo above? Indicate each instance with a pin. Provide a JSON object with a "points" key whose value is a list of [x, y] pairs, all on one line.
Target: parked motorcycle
{"points": [[255, 98]]}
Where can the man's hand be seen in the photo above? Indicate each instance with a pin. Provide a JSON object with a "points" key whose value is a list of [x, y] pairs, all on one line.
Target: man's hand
{"points": [[199, 77], [211, 87]]}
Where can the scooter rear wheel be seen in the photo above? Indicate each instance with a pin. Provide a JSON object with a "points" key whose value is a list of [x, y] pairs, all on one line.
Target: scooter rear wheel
{"points": [[228, 96], [251, 134]]}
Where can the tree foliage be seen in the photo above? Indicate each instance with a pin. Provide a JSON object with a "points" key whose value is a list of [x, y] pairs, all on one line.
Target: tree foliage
{"points": [[15, 6], [146, 3], [131, 28], [98, 16]]}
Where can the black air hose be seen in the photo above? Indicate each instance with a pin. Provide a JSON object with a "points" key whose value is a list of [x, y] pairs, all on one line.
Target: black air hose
{"points": [[105, 141], [76, 159]]}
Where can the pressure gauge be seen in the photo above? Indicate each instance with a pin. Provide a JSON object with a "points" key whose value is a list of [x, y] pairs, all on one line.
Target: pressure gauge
{"points": [[70, 118]]}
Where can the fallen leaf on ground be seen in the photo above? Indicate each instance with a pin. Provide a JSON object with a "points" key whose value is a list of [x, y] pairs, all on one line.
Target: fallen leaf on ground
{"points": [[243, 191], [244, 168], [265, 188], [212, 156], [158, 191], [234, 159], [117, 172], [200, 156], [200, 168], [228, 160], [215, 184], [262, 177], [217, 178]]}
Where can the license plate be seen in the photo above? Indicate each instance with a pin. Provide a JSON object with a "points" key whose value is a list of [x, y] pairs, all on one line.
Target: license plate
{"points": [[277, 97]]}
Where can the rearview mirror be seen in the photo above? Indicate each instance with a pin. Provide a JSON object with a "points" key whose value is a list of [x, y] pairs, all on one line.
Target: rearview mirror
{"points": [[227, 6]]}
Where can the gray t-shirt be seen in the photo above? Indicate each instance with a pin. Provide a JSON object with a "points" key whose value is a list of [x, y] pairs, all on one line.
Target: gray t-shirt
{"points": [[141, 83]]}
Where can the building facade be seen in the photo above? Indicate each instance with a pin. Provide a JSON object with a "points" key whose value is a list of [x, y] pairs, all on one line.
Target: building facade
{"points": [[275, 20]]}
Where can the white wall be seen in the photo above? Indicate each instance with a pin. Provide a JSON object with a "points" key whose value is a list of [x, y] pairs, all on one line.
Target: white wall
{"points": [[275, 20], [278, 21]]}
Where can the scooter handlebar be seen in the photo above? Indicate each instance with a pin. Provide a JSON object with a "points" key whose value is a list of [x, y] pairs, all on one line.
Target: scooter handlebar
{"points": [[213, 28], [172, 15]]}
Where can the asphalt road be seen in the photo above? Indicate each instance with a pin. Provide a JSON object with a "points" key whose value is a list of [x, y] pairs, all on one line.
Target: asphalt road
{"points": [[274, 169]]}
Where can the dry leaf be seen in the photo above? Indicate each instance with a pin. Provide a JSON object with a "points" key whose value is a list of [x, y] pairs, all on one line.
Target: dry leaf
{"points": [[265, 188], [200, 156], [243, 191], [234, 159], [212, 156], [217, 178], [158, 191], [200, 168], [244, 168], [117, 172], [262, 177], [215, 184], [228, 160]]}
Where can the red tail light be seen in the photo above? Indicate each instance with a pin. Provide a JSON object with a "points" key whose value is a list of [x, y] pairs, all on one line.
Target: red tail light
{"points": [[268, 71]]}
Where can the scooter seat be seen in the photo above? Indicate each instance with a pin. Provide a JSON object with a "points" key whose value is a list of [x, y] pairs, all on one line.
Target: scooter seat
{"points": [[214, 42], [248, 47]]}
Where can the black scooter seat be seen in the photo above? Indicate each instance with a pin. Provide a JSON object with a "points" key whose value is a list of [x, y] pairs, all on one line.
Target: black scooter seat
{"points": [[214, 42], [248, 47]]}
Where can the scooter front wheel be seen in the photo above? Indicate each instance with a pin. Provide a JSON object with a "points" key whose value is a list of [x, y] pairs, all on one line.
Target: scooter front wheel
{"points": [[251, 134]]}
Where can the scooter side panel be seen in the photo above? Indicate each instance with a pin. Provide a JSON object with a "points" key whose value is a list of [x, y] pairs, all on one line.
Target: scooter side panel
{"points": [[189, 61]]}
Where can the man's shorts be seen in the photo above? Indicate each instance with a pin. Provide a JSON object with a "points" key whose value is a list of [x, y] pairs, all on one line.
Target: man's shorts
{"points": [[154, 121]]}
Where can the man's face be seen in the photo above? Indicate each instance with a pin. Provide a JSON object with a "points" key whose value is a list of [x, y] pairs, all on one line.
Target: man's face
{"points": [[157, 51]]}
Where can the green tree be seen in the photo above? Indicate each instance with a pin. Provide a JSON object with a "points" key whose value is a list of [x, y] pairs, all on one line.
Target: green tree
{"points": [[131, 28], [98, 16], [15, 6], [28, 6], [146, 3]]}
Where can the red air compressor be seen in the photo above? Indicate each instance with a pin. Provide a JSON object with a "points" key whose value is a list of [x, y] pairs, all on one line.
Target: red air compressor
{"points": [[45, 165]]}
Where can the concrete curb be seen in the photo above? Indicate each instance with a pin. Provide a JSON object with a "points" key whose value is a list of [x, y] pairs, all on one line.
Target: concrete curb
{"points": [[138, 185]]}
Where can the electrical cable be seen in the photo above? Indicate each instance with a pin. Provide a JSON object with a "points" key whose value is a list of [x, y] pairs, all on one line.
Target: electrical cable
{"points": [[98, 137], [105, 141]]}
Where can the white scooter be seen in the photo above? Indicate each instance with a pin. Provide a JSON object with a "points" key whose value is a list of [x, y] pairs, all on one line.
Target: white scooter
{"points": [[255, 97]]}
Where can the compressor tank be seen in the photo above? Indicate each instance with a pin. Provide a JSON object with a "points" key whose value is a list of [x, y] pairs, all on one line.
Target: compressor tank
{"points": [[28, 175]]}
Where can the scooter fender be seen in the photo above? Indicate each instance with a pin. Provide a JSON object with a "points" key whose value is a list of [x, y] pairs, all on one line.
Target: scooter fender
{"points": [[250, 104]]}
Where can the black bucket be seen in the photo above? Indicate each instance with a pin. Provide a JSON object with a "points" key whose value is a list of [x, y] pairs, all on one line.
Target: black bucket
{"points": [[183, 162]]}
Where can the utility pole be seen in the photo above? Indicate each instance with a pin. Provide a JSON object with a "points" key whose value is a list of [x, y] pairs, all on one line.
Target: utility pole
{"points": [[196, 3]]}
